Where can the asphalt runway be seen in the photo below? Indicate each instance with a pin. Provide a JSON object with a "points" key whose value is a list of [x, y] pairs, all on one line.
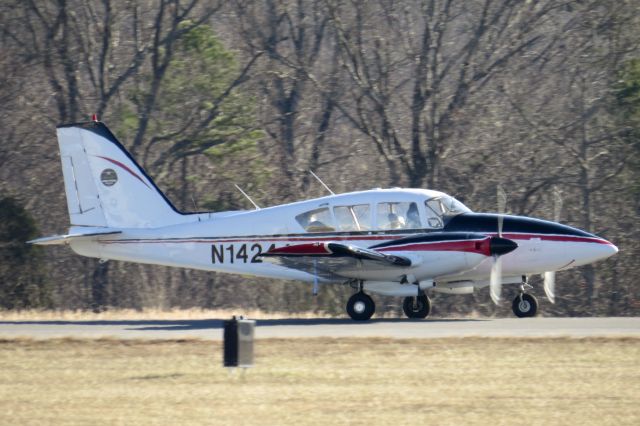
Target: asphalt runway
{"points": [[329, 327]]}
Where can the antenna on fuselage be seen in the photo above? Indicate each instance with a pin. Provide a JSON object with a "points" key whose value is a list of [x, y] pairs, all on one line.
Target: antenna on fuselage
{"points": [[321, 182], [247, 197], [193, 200], [195, 206]]}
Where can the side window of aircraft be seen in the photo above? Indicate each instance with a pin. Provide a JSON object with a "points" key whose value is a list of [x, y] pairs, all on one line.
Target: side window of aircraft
{"points": [[402, 215], [439, 207], [453, 206], [435, 212], [353, 218], [317, 220]]}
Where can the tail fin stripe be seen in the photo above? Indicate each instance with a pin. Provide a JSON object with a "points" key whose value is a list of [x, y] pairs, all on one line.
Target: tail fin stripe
{"points": [[102, 130], [119, 164], [105, 176]]}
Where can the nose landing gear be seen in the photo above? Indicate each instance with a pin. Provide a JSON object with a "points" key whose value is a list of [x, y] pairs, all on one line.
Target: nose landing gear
{"points": [[525, 304]]}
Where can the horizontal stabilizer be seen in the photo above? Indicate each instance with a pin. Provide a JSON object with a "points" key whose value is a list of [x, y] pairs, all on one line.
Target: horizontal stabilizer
{"points": [[65, 239]]}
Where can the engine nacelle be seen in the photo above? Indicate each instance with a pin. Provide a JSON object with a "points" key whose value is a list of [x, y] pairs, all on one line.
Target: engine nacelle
{"points": [[386, 288], [457, 287]]}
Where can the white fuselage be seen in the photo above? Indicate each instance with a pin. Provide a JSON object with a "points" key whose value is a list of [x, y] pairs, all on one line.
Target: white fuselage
{"points": [[231, 242], [396, 242]]}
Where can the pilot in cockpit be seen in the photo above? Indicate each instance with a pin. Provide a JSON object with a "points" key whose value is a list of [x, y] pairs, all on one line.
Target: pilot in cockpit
{"points": [[413, 217], [395, 221]]}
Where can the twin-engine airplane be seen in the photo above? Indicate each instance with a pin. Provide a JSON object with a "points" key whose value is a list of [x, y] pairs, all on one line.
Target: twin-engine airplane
{"points": [[394, 242]]}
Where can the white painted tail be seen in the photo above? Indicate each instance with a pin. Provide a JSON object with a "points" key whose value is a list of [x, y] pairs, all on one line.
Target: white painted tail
{"points": [[105, 187]]}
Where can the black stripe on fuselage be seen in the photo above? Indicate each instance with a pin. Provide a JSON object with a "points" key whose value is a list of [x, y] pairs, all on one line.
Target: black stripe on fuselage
{"points": [[463, 226], [311, 235], [488, 223]]}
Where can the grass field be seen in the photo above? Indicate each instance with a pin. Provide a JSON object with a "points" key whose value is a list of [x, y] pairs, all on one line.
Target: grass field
{"points": [[323, 381], [148, 314]]}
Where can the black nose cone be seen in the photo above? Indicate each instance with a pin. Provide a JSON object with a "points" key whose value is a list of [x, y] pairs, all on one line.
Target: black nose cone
{"points": [[499, 246]]}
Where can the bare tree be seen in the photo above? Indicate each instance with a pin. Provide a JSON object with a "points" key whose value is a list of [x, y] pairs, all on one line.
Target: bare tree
{"points": [[412, 74], [297, 49]]}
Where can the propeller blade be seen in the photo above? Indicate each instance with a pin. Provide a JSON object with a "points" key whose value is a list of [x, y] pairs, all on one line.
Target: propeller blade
{"points": [[557, 204], [550, 276], [495, 283], [315, 277], [499, 246], [549, 285], [501, 197]]}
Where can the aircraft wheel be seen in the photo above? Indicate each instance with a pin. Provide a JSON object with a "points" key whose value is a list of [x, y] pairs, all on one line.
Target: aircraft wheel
{"points": [[360, 307], [417, 307], [525, 306]]}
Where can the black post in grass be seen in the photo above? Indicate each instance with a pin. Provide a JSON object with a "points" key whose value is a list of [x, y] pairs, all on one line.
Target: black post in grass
{"points": [[238, 342]]}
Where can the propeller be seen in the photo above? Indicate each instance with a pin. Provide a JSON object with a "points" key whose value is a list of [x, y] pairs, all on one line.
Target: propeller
{"points": [[550, 276], [549, 285], [502, 207], [315, 277], [495, 282]]}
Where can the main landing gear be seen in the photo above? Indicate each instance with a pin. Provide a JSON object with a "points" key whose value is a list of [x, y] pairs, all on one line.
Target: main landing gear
{"points": [[417, 307], [360, 306], [525, 304]]}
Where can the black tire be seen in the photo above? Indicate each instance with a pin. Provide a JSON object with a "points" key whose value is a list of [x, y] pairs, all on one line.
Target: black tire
{"points": [[527, 307], [360, 307], [417, 307]]}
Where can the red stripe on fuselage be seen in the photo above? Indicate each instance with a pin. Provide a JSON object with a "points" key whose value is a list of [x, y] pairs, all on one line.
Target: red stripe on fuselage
{"points": [[301, 250], [469, 246], [260, 239]]}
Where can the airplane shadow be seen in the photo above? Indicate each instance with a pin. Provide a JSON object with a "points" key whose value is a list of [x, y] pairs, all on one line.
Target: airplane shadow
{"points": [[217, 323]]}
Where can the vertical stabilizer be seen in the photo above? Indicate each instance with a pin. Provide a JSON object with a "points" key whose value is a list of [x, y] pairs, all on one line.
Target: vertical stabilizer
{"points": [[105, 186]]}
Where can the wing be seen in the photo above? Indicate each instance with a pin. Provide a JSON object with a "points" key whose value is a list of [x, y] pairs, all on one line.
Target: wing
{"points": [[326, 260]]}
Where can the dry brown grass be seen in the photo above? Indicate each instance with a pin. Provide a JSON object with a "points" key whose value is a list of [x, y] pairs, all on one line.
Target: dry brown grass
{"points": [[323, 381], [175, 314], [147, 314]]}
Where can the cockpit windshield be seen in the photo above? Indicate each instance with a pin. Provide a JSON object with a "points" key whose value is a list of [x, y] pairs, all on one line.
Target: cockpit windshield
{"points": [[444, 206]]}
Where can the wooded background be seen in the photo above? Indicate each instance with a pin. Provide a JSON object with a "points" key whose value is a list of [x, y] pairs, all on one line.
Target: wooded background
{"points": [[542, 97]]}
